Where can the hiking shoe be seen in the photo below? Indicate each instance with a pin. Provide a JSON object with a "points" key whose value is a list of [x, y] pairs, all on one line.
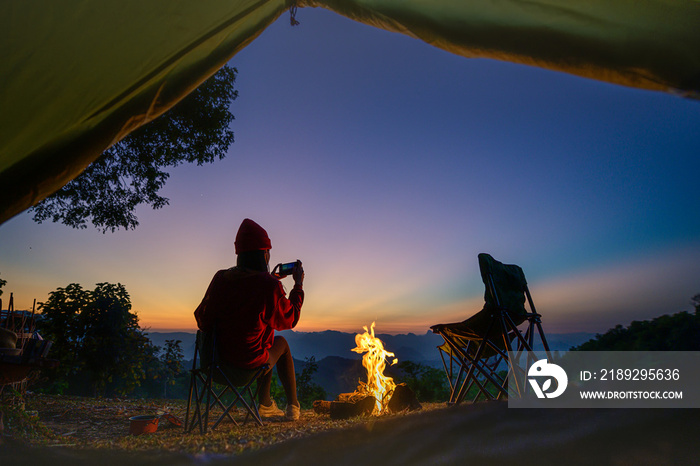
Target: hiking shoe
{"points": [[270, 411], [293, 413]]}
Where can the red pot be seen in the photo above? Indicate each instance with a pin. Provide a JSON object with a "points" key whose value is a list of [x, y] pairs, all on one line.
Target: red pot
{"points": [[143, 424]]}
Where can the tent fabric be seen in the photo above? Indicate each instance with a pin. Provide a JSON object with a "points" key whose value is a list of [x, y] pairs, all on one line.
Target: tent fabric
{"points": [[651, 44], [78, 75]]}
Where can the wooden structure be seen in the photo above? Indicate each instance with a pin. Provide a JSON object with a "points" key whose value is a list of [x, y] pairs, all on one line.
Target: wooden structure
{"points": [[20, 363]]}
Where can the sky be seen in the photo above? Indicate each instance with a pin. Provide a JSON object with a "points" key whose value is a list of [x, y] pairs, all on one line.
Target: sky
{"points": [[386, 165]]}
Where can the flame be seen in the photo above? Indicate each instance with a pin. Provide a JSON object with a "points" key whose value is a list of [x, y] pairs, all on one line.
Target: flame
{"points": [[378, 385]]}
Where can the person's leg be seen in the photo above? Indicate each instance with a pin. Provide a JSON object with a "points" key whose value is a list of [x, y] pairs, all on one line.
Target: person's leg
{"points": [[265, 382], [280, 356]]}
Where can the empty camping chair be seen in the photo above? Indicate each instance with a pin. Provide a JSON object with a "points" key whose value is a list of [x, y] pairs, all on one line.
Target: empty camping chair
{"points": [[474, 350], [213, 384]]}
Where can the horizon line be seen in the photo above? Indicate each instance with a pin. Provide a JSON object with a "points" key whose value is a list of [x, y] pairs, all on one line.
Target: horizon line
{"points": [[194, 331]]}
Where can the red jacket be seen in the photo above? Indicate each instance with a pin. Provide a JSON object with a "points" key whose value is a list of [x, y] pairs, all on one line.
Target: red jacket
{"points": [[246, 307]]}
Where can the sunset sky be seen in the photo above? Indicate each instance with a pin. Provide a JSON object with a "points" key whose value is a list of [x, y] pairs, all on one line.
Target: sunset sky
{"points": [[386, 165]]}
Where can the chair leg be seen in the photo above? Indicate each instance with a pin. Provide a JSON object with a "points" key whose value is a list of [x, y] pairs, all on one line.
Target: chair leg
{"points": [[476, 367], [218, 400], [448, 373], [251, 406], [252, 409], [198, 394], [189, 400], [208, 388], [474, 364], [192, 391], [253, 401]]}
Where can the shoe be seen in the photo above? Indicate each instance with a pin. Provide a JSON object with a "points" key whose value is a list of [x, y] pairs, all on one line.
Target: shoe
{"points": [[293, 413], [270, 411]]}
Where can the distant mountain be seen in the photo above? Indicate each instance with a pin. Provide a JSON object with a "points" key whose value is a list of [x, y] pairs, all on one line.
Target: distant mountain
{"points": [[340, 375], [408, 347], [331, 343], [335, 374]]}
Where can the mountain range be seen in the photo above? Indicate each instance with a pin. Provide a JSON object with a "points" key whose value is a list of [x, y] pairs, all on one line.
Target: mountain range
{"points": [[406, 347]]}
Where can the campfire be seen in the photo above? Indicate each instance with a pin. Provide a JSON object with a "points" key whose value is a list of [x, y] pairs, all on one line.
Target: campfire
{"points": [[378, 385], [379, 395]]}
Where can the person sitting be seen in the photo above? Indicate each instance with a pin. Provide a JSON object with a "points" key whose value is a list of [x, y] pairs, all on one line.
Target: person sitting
{"points": [[245, 304]]}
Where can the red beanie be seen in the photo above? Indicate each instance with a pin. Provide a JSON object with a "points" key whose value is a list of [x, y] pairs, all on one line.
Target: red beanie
{"points": [[251, 237]]}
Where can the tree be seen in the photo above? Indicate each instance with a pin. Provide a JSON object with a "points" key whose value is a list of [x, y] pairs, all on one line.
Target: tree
{"points": [[60, 322], [428, 383], [96, 338], [130, 173], [110, 331], [307, 390], [2, 283], [676, 332], [172, 363]]}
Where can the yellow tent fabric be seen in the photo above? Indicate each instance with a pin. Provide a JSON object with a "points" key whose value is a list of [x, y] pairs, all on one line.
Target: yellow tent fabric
{"points": [[78, 75], [652, 44]]}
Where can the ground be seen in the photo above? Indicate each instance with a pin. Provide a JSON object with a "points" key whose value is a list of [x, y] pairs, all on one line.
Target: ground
{"points": [[101, 423], [78, 431]]}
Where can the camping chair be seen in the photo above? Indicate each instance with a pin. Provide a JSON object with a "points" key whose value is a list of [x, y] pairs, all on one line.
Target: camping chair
{"points": [[477, 347], [204, 395]]}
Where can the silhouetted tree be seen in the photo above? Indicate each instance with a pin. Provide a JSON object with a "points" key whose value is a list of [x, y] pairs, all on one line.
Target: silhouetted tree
{"points": [[129, 173], [171, 360], [2, 283], [429, 384], [60, 322], [307, 390], [677, 332], [111, 334], [96, 337]]}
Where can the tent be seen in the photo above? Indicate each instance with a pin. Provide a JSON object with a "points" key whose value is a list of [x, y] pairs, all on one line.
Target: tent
{"points": [[78, 75]]}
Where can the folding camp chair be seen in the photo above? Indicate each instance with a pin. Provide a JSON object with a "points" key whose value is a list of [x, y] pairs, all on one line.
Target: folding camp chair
{"points": [[211, 380], [474, 351]]}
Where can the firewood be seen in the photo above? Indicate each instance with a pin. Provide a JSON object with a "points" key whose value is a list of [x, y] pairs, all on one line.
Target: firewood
{"points": [[346, 410], [322, 407], [403, 398], [353, 397]]}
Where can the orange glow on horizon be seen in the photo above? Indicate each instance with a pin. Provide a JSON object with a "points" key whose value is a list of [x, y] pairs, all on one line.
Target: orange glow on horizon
{"points": [[593, 300]]}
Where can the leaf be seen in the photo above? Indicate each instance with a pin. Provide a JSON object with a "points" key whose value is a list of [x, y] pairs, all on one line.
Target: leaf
{"points": [[546, 385]]}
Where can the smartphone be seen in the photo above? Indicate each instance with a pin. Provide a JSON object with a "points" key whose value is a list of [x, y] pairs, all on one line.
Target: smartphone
{"points": [[286, 269]]}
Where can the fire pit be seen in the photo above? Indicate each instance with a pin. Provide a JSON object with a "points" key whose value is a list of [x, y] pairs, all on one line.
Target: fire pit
{"points": [[379, 395]]}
